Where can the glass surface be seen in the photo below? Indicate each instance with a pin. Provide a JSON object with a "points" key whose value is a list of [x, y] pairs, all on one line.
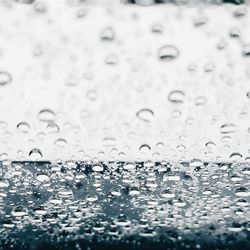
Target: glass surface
{"points": [[124, 124]]}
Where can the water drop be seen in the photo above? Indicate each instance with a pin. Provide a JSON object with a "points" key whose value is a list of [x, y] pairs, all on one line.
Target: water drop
{"points": [[129, 166], [23, 127], [246, 50], [46, 115], [145, 115], [200, 100], [166, 193], [111, 59], [107, 34], [240, 12], [196, 163], [199, 21], [35, 154], [176, 96], [97, 167], [91, 197], [157, 28], [109, 141], [168, 53], [210, 145], [3, 183], [5, 78], [235, 156], [246, 170], [40, 7], [134, 191], [242, 192], [91, 95], [61, 143], [25, 1], [234, 33], [65, 192], [115, 192], [52, 128], [228, 128], [42, 176], [19, 211], [144, 148]]}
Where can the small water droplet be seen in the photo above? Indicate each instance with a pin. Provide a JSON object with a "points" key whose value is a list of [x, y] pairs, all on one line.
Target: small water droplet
{"points": [[242, 192], [246, 50], [25, 1], [145, 115], [210, 145], [107, 34], [111, 59], [52, 128], [176, 96], [109, 141], [129, 166], [91, 197], [234, 33], [144, 148], [35, 154], [97, 167], [61, 143], [19, 211], [42, 176], [168, 53], [157, 28], [46, 115], [40, 7], [5, 78], [228, 128], [235, 156], [134, 191], [23, 127], [199, 21], [166, 193], [3, 183], [92, 95], [200, 100]]}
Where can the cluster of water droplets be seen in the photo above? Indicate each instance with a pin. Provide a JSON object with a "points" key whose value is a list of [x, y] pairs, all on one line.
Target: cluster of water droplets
{"points": [[125, 86], [143, 114], [116, 200]]}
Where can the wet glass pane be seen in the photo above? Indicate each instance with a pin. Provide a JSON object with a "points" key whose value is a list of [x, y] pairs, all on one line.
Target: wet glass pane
{"points": [[124, 124]]}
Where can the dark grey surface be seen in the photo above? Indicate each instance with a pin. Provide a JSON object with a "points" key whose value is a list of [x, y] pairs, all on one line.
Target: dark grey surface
{"points": [[168, 205]]}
